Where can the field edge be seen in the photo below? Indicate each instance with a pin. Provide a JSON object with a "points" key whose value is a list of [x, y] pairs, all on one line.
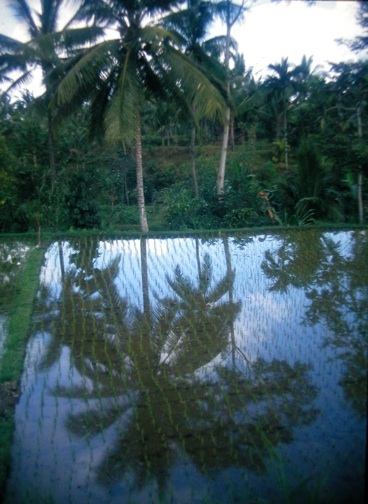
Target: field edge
{"points": [[27, 282]]}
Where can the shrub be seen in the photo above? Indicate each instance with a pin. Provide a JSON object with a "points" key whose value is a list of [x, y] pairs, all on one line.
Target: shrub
{"points": [[81, 208]]}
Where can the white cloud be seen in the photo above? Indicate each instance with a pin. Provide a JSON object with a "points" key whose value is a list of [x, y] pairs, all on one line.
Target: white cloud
{"points": [[271, 31]]}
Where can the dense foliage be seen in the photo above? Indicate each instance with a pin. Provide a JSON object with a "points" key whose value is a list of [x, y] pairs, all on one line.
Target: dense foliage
{"points": [[297, 139]]}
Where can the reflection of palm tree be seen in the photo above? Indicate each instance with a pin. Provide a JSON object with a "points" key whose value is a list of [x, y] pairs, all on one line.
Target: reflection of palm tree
{"points": [[230, 423], [202, 325], [91, 293], [137, 369], [164, 412], [336, 285], [339, 297], [296, 261], [233, 345]]}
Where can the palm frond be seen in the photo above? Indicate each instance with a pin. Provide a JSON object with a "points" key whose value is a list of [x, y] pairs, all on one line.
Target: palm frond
{"points": [[9, 44], [182, 72], [222, 287], [205, 276], [215, 46], [22, 80], [305, 214], [84, 73], [157, 35], [12, 63], [93, 10], [79, 37], [181, 285], [23, 12], [123, 111], [230, 12]]}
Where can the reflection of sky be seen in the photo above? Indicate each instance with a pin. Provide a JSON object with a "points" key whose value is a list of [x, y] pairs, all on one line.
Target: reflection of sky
{"points": [[268, 326], [50, 275], [268, 323]]}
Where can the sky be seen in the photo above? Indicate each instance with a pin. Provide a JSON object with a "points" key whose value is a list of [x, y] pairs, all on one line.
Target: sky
{"points": [[271, 31]]}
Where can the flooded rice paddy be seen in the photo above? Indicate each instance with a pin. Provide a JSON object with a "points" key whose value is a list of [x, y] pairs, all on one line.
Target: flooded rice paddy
{"points": [[186, 370]]}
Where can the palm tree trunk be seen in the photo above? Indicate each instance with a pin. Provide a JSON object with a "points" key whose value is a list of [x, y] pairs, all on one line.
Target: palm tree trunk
{"points": [[360, 197], [225, 137], [198, 258], [140, 186], [232, 133], [193, 162], [224, 147], [62, 263]]}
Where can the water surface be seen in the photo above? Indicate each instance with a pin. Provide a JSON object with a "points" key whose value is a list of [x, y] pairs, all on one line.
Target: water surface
{"points": [[188, 370]]}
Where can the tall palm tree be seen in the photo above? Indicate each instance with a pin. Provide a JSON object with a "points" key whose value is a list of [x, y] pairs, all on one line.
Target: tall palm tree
{"points": [[48, 42], [229, 12], [118, 74]]}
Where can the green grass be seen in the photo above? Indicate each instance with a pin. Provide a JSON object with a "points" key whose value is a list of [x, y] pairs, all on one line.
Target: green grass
{"points": [[12, 361]]}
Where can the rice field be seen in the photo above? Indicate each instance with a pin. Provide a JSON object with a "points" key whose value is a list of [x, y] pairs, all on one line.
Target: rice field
{"points": [[192, 370]]}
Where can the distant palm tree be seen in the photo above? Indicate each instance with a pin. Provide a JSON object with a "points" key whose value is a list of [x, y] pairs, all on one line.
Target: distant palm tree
{"points": [[118, 74], [281, 86], [351, 88]]}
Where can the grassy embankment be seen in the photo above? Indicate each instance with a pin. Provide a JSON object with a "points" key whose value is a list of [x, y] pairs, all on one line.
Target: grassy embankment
{"points": [[11, 365]]}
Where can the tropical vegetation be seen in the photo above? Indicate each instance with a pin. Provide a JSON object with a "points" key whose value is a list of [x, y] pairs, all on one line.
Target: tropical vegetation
{"points": [[147, 122]]}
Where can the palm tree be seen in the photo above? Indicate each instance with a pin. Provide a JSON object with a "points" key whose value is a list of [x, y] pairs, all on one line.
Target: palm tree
{"points": [[304, 75], [229, 13], [193, 24], [118, 74], [281, 86], [47, 44]]}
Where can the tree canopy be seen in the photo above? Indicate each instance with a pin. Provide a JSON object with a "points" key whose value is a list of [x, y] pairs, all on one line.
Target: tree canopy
{"points": [[123, 78]]}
